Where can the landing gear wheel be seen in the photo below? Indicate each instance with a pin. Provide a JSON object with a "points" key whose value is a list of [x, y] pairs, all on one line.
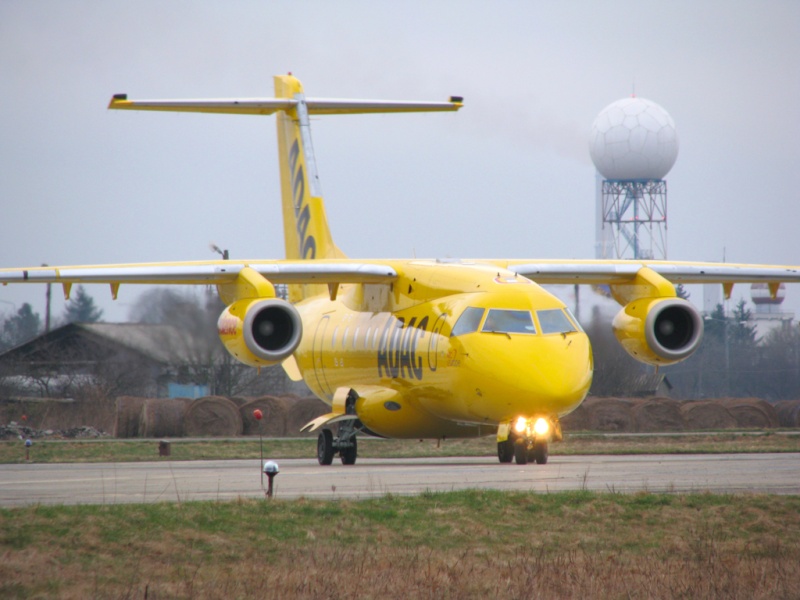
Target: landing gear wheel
{"points": [[540, 453], [349, 454], [505, 450], [325, 447], [521, 452]]}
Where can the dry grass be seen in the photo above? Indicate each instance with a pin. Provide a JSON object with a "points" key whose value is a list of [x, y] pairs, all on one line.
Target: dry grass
{"points": [[450, 545]]}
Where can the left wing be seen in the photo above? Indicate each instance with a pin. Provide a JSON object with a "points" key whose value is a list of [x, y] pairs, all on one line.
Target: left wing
{"points": [[622, 272], [618, 271]]}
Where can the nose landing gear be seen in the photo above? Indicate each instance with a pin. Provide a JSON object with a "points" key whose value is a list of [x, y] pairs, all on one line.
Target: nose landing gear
{"points": [[527, 441]]}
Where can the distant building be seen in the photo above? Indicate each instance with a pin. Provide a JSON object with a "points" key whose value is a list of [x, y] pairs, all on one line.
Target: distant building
{"points": [[769, 313], [129, 358]]}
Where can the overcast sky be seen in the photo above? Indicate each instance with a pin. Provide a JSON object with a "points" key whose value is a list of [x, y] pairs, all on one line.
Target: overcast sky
{"points": [[507, 176]]}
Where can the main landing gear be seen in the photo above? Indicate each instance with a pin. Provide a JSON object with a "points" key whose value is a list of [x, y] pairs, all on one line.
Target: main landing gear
{"points": [[345, 443]]}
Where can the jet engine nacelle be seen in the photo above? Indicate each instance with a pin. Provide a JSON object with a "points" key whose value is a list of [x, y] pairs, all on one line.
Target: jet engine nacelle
{"points": [[659, 331], [260, 332]]}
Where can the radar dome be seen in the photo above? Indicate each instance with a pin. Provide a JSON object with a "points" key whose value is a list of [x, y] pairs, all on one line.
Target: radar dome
{"points": [[633, 139]]}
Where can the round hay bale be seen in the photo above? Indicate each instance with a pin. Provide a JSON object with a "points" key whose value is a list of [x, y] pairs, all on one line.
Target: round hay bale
{"points": [[212, 416], [577, 420], [788, 413], [752, 413], [299, 412], [658, 414], [610, 414], [705, 414], [129, 411], [274, 422], [162, 417]]}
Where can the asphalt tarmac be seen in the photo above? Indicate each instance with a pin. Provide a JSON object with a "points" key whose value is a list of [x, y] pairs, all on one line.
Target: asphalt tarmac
{"points": [[174, 481]]}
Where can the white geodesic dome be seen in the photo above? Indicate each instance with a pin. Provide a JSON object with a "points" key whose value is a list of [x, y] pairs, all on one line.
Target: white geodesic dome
{"points": [[633, 139]]}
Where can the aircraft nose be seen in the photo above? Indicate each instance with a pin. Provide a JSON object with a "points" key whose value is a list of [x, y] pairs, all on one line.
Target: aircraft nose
{"points": [[538, 375]]}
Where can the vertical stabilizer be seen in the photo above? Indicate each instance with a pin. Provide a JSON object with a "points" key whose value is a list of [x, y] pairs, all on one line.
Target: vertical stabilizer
{"points": [[305, 223]]}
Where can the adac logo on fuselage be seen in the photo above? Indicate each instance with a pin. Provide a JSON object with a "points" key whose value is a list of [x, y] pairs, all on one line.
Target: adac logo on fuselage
{"points": [[306, 244], [397, 348]]}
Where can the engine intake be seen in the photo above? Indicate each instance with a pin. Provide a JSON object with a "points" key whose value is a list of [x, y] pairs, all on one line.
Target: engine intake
{"points": [[659, 331], [260, 332]]}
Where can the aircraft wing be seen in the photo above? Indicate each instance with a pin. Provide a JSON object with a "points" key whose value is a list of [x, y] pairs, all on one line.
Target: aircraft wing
{"points": [[621, 271], [205, 272]]}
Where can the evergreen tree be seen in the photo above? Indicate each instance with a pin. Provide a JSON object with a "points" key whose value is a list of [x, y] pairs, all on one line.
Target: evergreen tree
{"points": [[81, 308], [682, 292], [20, 328]]}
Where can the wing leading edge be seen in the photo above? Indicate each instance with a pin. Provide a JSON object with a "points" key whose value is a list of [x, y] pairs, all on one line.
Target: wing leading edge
{"points": [[204, 273], [621, 271]]}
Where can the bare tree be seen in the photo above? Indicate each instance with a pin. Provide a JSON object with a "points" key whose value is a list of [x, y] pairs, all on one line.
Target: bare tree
{"points": [[205, 360]]}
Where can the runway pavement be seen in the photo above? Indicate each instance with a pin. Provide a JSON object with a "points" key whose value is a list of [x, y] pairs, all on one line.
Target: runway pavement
{"points": [[173, 481]]}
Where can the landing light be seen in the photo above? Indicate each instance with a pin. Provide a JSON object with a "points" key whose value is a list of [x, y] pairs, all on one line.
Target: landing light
{"points": [[521, 425], [541, 427]]}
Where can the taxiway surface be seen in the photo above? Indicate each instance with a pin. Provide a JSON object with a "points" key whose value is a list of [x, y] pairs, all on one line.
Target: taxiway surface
{"points": [[174, 481]]}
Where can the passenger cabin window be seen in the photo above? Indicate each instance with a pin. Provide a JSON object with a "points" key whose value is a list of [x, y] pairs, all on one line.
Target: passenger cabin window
{"points": [[554, 321], [468, 321], [509, 321]]}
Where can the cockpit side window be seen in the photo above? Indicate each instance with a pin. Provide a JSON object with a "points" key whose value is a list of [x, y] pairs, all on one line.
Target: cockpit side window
{"points": [[554, 321], [509, 321], [468, 321]]}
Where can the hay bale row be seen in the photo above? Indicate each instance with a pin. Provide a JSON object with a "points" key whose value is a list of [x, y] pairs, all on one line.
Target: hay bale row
{"points": [[214, 416], [223, 417], [625, 415]]}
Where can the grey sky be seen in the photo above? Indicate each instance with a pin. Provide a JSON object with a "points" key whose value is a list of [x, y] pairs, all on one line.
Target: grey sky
{"points": [[507, 176]]}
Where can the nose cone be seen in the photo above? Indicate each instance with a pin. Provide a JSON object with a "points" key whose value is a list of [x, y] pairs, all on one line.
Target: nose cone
{"points": [[527, 375]]}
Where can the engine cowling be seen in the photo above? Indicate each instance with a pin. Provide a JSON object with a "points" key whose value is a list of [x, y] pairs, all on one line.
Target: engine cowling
{"points": [[659, 331], [260, 332]]}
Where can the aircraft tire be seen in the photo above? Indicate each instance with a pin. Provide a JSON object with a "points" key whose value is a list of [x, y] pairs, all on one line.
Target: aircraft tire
{"points": [[521, 452], [505, 450], [325, 447], [540, 453], [349, 454]]}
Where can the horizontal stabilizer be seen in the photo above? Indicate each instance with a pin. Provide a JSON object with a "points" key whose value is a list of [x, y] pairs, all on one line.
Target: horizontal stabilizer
{"points": [[268, 106]]}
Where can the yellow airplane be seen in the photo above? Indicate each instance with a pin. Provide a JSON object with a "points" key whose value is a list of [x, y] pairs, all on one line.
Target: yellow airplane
{"points": [[417, 348]]}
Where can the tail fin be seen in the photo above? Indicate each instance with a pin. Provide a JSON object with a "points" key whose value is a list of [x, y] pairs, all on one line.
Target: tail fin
{"points": [[305, 223]]}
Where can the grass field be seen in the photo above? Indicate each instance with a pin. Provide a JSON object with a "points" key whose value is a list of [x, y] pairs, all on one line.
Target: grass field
{"points": [[575, 444], [437, 545]]}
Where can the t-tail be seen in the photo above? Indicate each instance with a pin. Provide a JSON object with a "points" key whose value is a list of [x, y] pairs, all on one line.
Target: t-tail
{"points": [[305, 223]]}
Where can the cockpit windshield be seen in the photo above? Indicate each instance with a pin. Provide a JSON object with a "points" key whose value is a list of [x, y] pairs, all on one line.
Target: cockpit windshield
{"points": [[468, 321], [554, 321], [509, 321]]}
